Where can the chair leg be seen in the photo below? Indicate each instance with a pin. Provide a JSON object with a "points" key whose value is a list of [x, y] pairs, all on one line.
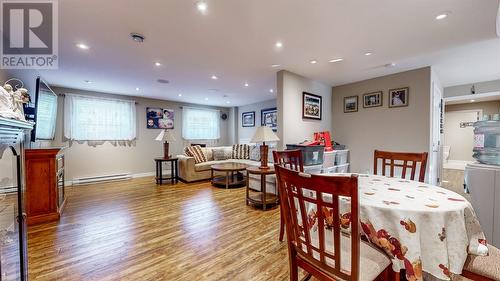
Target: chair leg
{"points": [[294, 269], [282, 226]]}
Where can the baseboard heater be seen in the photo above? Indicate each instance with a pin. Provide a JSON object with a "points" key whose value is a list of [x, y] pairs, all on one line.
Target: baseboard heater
{"points": [[98, 179]]}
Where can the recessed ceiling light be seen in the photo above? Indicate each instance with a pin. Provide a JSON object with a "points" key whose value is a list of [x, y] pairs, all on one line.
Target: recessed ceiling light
{"points": [[137, 89], [271, 91], [214, 77], [313, 61], [442, 16], [278, 44], [246, 84], [206, 98], [88, 81], [82, 46], [275, 65], [157, 63], [202, 6], [228, 102], [472, 100], [336, 60], [368, 53], [180, 95]]}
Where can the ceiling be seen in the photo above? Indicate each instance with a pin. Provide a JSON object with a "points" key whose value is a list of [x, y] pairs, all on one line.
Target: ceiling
{"points": [[235, 40]]}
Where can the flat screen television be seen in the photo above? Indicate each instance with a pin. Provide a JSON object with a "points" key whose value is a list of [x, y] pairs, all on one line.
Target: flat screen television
{"points": [[45, 112]]}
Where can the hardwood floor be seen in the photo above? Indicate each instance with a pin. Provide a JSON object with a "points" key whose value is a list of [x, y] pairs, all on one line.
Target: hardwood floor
{"points": [[136, 230]]}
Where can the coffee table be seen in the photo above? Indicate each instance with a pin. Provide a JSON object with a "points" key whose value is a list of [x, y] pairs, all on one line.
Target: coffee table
{"points": [[229, 179]]}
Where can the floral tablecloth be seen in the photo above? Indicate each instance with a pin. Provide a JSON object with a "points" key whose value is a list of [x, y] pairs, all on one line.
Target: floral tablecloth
{"points": [[420, 226]]}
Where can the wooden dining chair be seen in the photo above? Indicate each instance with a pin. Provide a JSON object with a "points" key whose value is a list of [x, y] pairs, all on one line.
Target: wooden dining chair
{"points": [[403, 160], [320, 248], [291, 159], [483, 268]]}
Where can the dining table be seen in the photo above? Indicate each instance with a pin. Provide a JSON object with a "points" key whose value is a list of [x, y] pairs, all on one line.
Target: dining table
{"points": [[421, 227]]}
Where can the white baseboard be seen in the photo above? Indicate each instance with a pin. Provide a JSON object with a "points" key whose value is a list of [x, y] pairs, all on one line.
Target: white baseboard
{"points": [[134, 176]]}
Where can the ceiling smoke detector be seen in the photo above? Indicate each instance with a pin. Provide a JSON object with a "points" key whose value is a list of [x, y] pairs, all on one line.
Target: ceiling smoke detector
{"points": [[139, 38], [163, 81]]}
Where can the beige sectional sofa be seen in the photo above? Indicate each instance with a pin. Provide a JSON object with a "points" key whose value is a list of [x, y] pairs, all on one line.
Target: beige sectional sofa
{"points": [[189, 171]]}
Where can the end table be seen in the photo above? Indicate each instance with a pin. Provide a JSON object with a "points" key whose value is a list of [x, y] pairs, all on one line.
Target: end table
{"points": [[261, 198], [174, 174]]}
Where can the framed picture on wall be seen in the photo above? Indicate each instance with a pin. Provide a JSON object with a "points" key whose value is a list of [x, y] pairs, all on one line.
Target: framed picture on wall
{"points": [[159, 118], [248, 119], [350, 104], [399, 97], [372, 99], [269, 118], [311, 106]]}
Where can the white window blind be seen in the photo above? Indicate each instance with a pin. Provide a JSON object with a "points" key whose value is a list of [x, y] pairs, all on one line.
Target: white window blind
{"points": [[46, 114], [200, 124], [88, 118]]}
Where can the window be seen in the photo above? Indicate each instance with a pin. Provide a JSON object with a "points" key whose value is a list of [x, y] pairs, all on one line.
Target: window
{"points": [[88, 118], [200, 124], [46, 113]]}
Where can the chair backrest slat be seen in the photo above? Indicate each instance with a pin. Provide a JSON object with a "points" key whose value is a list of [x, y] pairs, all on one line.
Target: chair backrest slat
{"points": [[409, 162], [291, 159], [305, 209]]}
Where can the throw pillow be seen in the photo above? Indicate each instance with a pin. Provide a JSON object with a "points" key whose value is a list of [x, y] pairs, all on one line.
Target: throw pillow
{"points": [[197, 153], [208, 153], [255, 153], [241, 151], [228, 152], [219, 154]]}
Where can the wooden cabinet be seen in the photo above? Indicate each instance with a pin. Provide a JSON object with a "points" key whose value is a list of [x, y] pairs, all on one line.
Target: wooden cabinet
{"points": [[45, 196]]}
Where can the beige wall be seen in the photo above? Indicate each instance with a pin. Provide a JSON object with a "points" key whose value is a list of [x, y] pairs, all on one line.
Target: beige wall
{"points": [[83, 160], [460, 140], [292, 128], [246, 133], [393, 129]]}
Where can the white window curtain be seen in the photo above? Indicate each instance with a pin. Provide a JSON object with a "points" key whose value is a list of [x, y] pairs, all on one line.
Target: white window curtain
{"points": [[200, 124], [88, 118]]}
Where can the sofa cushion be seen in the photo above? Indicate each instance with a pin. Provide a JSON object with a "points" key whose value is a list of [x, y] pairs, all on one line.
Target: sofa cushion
{"points": [[196, 152], [219, 154], [208, 151], [241, 151]]}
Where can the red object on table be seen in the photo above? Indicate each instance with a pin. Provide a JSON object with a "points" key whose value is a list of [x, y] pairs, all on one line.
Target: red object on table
{"points": [[324, 138]]}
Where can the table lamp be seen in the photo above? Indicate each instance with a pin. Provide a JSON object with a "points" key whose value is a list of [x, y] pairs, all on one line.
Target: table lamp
{"points": [[165, 136], [264, 134]]}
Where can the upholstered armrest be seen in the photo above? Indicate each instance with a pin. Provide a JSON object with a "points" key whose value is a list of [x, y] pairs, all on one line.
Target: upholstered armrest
{"points": [[186, 167]]}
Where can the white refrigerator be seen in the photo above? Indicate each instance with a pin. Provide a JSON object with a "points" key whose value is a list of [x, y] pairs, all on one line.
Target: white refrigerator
{"points": [[482, 182]]}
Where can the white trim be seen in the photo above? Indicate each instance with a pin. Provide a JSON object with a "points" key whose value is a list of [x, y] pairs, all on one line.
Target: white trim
{"points": [[472, 97]]}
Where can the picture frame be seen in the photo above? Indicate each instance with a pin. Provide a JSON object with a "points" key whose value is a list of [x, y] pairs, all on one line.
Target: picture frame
{"points": [[399, 97], [350, 104], [159, 118], [373, 99], [311, 106], [269, 118], [248, 119]]}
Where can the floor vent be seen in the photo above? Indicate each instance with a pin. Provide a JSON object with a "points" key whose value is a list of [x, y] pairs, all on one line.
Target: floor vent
{"points": [[98, 179]]}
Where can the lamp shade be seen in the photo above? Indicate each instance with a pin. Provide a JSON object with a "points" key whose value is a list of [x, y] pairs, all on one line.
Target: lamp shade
{"points": [[165, 135], [264, 134]]}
